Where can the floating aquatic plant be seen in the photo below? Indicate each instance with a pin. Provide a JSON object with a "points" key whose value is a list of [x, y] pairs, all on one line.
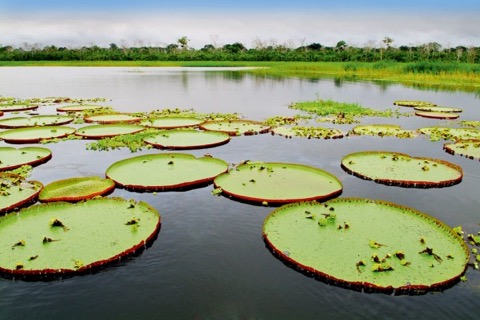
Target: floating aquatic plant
{"points": [[383, 130], [437, 115], [308, 132], [467, 148], [445, 133], [76, 189], [78, 108], [235, 127], [437, 109], [183, 139], [11, 158], [171, 122], [112, 118], [35, 134], [100, 131], [34, 121], [413, 103], [16, 192]]}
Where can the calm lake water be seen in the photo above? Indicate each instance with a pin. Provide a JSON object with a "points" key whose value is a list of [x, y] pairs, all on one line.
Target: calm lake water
{"points": [[209, 260]]}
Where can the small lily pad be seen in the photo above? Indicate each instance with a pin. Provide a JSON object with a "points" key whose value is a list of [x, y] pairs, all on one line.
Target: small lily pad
{"points": [[78, 108], [236, 127], [34, 121], [308, 132], [100, 131], [165, 171], [367, 244], [12, 158], [467, 148], [383, 130], [413, 103], [400, 169], [171, 122], [437, 115], [16, 192], [17, 107], [183, 139], [35, 134], [112, 118], [278, 183], [454, 134], [438, 109], [76, 189]]}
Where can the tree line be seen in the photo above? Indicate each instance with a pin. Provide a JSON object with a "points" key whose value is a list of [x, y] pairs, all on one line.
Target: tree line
{"points": [[180, 51]]}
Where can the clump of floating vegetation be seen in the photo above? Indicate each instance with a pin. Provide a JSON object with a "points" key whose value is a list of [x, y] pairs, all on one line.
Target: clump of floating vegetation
{"points": [[134, 142]]}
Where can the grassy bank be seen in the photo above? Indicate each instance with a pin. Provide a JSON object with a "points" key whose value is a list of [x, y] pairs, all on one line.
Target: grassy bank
{"points": [[449, 76]]}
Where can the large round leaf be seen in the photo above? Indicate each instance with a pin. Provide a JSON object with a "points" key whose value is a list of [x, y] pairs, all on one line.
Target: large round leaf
{"points": [[437, 115], [17, 107], [278, 183], [171, 122], [182, 139], [400, 169], [446, 133], [166, 171], [112, 118], [76, 189], [63, 238], [437, 109], [466, 148], [16, 192], [363, 243], [36, 134], [35, 121], [308, 132], [11, 158], [413, 103], [235, 127], [383, 130], [78, 108], [100, 131]]}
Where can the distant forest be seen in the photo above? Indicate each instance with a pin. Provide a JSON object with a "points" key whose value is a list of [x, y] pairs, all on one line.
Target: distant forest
{"points": [[180, 51]]}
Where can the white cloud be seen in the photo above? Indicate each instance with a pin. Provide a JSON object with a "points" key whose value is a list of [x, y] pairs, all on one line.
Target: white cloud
{"points": [[84, 29]]}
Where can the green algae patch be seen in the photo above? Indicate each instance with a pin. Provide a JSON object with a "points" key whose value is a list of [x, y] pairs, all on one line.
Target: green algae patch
{"points": [[12, 158], [172, 122], [165, 171], [438, 109], [413, 103], [235, 127], [35, 134], [383, 130], [100, 131], [277, 183], [437, 115], [112, 118], [466, 148], [78, 108], [398, 169], [61, 238], [367, 244], [183, 139], [76, 189], [308, 132], [454, 134], [34, 121], [16, 192]]}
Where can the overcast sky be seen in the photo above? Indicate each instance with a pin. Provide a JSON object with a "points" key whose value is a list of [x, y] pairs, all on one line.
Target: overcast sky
{"points": [[218, 22]]}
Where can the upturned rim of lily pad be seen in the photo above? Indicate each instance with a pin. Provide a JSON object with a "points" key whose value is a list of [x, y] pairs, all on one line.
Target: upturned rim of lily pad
{"points": [[459, 147], [25, 122], [361, 270], [54, 132], [100, 131], [139, 221], [36, 187], [171, 122], [348, 161], [112, 118], [216, 125], [196, 139], [44, 156], [76, 189], [437, 115]]}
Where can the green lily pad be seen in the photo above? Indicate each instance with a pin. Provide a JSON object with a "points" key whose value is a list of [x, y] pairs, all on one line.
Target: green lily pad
{"points": [[413, 103], [165, 171], [15, 191], [35, 134], [112, 118], [182, 139], [278, 183], [61, 238], [367, 244], [35, 121], [78, 108], [454, 134], [100, 131], [438, 109], [172, 122], [17, 107], [398, 169], [383, 130], [12, 158], [437, 115], [236, 127], [308, 132], [467, 148], [76, 189]]}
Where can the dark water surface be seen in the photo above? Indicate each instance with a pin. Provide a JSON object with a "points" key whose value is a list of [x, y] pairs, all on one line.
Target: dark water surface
{"points": [[209, 260]]}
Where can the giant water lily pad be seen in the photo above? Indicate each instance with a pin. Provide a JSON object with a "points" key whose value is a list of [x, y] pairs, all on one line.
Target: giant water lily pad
{"points": [[60, 238], [172, 122], [100, 131], [383, 130], [308, 132], [166, 171], [76, 189], [112, 118], [437, 115], [437, 109], [78, 108], [11, 158], [35, 121], [15, 191], [466, 148], [278, 183], [17, 107], [367, 244], [400, 169], [454, 134], [413, 103], [35, 134], [182, 139], [235, 127]]}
